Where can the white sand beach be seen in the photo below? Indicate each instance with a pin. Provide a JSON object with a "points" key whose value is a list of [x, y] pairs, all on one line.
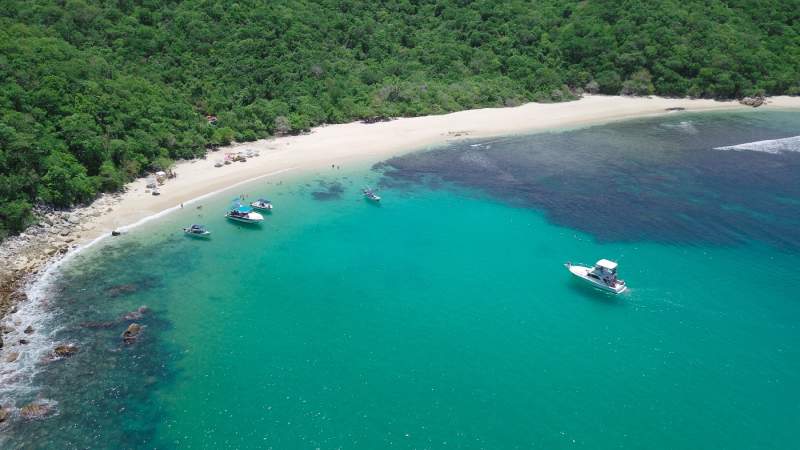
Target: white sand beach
{"points": [[346, 143]]}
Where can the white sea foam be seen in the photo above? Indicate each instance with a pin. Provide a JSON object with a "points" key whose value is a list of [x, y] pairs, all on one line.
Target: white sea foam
{"points": [[685, 126], [16, 378], [774, 146]]}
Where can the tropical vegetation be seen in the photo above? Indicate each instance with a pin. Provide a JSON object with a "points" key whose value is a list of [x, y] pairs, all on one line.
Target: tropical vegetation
{"points": [[94, 93]]}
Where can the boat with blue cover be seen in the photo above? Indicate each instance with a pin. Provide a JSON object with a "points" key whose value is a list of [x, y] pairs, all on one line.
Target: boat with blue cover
{"points": [[196, 230], [262, 205]]}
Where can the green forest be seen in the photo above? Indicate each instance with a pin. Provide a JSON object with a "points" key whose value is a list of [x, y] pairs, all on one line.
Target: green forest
{"points": [[94, 93]]}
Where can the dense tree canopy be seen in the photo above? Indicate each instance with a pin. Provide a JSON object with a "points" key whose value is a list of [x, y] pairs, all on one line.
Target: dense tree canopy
{"points": [[93, 93]]}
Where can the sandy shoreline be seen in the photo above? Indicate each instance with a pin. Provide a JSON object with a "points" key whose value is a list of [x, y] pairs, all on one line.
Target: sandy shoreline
{"points": [[346, 143], [339, 144], [34, 256]]}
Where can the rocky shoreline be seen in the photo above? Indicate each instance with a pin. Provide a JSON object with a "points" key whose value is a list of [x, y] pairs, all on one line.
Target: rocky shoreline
{"points": [[55, 233]]}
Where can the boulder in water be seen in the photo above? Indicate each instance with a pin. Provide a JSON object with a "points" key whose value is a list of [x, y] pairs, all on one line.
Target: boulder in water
{"points": [[12, 357], [28, 330], [65, 350], [36, 410], [130, 335], [3, 414]]}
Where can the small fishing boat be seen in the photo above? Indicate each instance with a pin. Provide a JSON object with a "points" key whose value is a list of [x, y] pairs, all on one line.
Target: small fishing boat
{"points": [[262, 205], [244, 214], [196, 230], [369, 194], [602, 276]]}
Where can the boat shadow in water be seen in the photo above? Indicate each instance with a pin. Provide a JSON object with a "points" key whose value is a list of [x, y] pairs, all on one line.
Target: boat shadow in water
{"points": [[255, 226], [594, 294]]}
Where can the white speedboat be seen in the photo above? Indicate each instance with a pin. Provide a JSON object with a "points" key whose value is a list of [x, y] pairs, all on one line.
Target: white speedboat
{"points": [[262, 205], [369, 194], [602, 276], [244, 214], [195, 230]]}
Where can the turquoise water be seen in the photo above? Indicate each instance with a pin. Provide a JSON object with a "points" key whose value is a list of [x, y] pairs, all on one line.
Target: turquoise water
{"points": [[443, 318]]}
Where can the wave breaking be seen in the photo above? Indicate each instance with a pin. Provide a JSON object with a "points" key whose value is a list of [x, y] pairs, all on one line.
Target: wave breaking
{"points": [[773, 146]]}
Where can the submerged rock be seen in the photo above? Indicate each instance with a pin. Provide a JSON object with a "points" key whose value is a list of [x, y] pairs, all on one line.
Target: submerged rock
{"points": [[3, 414], [130, 335], [137, 314], [65, 350], [36, 410], [12, 357], [115, 291], [28, 330], [99, 325], [23, 341]]}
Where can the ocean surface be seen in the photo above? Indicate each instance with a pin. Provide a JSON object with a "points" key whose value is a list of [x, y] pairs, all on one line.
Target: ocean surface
{"points": [[444, 317]]}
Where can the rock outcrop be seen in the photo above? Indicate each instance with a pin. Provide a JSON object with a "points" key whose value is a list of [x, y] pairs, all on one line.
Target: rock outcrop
{"points": [[36, 410], [754, 101], [65, 350], [130, 335], [53, 235]]}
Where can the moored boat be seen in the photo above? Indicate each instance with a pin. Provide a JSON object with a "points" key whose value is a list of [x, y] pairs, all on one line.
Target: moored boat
{"points": [[602, 276], [369, 194], [196, 230], [262, 205], [244, 214]]}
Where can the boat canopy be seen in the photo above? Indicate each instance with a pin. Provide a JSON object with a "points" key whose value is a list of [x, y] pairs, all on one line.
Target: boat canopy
{"points": [[244, 209], [263, 200], [606, 264]]}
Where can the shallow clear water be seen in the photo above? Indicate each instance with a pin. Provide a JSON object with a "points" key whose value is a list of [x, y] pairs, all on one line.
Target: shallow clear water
{"points": [[443, 318]]}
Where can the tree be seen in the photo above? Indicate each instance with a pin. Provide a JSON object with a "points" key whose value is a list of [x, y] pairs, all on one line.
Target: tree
{"points": [[640, 83], [14, 217], [65, 181]]}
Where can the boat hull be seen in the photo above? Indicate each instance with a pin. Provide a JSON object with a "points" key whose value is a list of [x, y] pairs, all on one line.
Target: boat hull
{"points": [[582, 272], [250, 218], [261, 208], [205, 235]]}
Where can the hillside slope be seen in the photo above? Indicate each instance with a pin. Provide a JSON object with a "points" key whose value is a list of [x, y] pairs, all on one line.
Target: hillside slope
{"points": [[94, 93]]}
